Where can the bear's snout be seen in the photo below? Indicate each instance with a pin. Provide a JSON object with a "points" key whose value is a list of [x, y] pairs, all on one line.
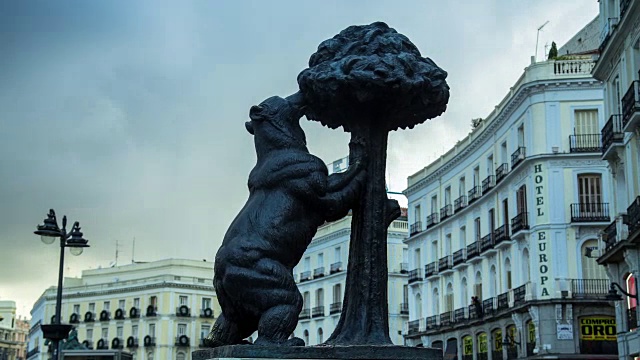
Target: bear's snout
{"points": [[249, 126]]}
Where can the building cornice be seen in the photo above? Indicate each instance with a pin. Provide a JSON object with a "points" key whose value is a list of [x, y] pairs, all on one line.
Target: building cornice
{"points": [[505, 114], [611, 53], [92, 293]]}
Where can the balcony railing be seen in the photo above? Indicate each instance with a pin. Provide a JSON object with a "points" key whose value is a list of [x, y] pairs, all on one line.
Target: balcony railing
{"points": [[519, 294], [486, 243], [445, 263], [501, 172], [404, 268], [415, 275], [573, 67], [488, 183], [318, 272], [630, 103], [474, 194], [472, 250], [589, 212], [182, 341], [612, 132], [488, 306], [503, 301], [33, 351], [589, 288], [501, 234], [459, 315], [615, 232], [585, 143], [632, 318], [460, 203], [459, 257], [432, 219], [305, 314], [520, 222], [445, 212], [432, 322], [446, 318], [415, 228], [605, 34], [404, 308], [335, 267], [317, 311], [518, 156], [633, 216], [475, 312], [335, 308], [430, 269], [413, 327], [305, 276]]}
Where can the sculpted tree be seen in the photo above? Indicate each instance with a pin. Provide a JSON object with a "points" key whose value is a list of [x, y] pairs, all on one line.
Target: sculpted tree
{"points": [[370, 80]]}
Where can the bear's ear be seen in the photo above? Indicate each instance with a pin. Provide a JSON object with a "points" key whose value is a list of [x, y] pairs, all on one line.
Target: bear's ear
{"points": [[256, 113]]}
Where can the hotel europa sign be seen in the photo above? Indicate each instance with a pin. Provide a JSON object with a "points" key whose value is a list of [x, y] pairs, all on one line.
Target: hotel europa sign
{"points": [[539, 180]]}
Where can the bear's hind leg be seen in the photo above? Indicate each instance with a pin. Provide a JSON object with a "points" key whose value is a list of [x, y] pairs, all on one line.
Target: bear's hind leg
{"points": [[276, 324], [227, 332]]}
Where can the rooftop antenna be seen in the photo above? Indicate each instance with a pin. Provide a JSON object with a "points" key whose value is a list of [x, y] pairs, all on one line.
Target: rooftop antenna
{"points": [[133, 250], [535, 56], [117, 252]]}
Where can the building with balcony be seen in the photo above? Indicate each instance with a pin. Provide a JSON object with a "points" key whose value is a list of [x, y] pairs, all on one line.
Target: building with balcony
{"points": [[13, 332], [619, 68], [155, 310], [503, 274], [321, 278]]}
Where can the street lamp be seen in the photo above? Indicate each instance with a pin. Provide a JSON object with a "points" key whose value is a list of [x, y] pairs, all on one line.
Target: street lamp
{"points": [[613, 294], [48, 232]]}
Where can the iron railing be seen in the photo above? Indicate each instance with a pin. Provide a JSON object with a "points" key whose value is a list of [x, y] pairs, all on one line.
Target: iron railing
{"points": [[413, 327], [305, 314], [589, 212], [445, 263], [520, 222], [317, 311], [318, 272], [585, 143], [335, 308], [404, 268], [518, 156], [335, 267], [473, 250], [488, 306], [630, 102], [432, 322], [446, 318], [503, 301], [501, 172], [633, 216], [459, 315], [415, 275], [519, 294], [460, 203], [501, 234], [430, 269], [612, 132], [415, 228], [474, 194], [445, 212], [486, 243], [488, 183], [458, 257], [432, 219], [305, 276], [610, 235]]}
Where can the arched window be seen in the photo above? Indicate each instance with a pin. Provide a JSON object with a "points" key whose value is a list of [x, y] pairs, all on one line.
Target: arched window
{"points": [[449, 298], [436, 302], [493, 281], [477, 291], [306, 337], [590, 267], [507, 270], [180, 356], [320, 336], [418, 306], [526, 266], [465, 292], [630, 281]]}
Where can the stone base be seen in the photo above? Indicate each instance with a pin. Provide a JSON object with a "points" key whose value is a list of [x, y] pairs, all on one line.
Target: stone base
{"points": [[360, 352]]}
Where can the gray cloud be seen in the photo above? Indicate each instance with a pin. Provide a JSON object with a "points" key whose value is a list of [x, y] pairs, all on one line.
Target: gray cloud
{"points": [[127, 116]]}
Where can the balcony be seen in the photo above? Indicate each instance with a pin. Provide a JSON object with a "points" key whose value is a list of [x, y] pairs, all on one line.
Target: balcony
{"points": [[518, 156], [432, 219], [488, 183], [459, 315], [486, 243], [430, 269], [149, 341], [335, 267], [445, 263], [413, 327], [432, 322], [520, 222], [116, 343], [404, 309], [134, 313], [119, 314], [501, 172], [89, 316], [105, 315], [589, 288], [488, 306], [305, 314], [183, 311], [132, 342], [474, 194], [473, 250], [206, 313], [103, 344], [33, 351], [519, 295], [404, 268], [606, 32], [503, 301], [415, 228], [460, 203], [74, 318], [631, 107], [475, 312], [590, 212], [445, 212], [318, 272], [633, 217], [459, 257], [152, 310], [182, 341], [317, 311], [612, 236], [632, 318], [586, 143], [335, 308], [612, 135], [305, 276], [446, 318], [415, 275], [501, 235]]}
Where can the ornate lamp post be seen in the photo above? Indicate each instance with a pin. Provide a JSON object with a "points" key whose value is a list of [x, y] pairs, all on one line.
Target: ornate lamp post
{"points": [[48, 232]]}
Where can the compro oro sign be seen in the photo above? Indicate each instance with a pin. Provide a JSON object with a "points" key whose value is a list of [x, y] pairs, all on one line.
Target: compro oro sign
{"points": [[598, 328]]}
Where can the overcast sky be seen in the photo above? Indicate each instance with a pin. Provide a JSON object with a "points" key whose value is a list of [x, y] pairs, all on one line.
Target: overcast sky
{"points": [[128, 115]]}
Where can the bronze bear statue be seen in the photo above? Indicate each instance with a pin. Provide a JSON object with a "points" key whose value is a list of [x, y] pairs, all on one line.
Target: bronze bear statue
{"points": [[290, 196]]}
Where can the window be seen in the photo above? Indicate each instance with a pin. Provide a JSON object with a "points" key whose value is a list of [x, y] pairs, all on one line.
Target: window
{"points": [[463, 237], [119, 332], [183, 300], [405, 294], [449, 298], [106, 305], [505, 213], [461, 187], [134, 331], [182, 329], [465, 292], [204, 331], [105, 333], [507, 267], [206, 303], [76, 309], [416, 259], [447, 195], [307, 263], [590, 267], [490, 165], [418, 306], [434, 204], [321, 260], [337, 254], [589, 188], [90, 334], [521, 199], [152, 330], [447, 245], [121, 304], [136, 303], [153, 301], [477, 288], [320, 336], [435, 254], [476, 228], [521, 135], [305, 337], [92, 307], [586, 122], [476, 176], [492, 220], [436, 302], [307, 300], [504, 154], [337, 293], [417, 215], [319, 297]]}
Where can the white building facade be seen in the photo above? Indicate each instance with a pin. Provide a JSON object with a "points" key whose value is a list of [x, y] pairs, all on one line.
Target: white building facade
{"points": [[619, 68], [155, 310], [499, 226], [321, 277]]}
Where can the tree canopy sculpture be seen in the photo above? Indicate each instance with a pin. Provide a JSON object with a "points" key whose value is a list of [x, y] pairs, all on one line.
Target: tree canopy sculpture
{"points": [[370, 80]]}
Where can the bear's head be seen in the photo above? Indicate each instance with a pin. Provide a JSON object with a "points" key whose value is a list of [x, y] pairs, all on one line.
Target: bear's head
{"points": [[275, 123]]}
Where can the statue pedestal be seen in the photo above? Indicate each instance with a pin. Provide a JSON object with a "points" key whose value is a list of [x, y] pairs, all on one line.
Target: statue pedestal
{"points": [[360, 352]]}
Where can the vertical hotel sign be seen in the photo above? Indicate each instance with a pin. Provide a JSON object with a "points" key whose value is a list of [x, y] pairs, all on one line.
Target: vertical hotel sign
{"points": [[541, 238]]}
